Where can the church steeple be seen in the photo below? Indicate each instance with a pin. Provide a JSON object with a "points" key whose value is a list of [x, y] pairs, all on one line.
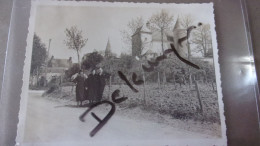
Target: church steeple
{"points": [[108, 49]]}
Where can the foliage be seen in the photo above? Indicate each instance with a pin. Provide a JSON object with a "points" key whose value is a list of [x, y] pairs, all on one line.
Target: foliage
{"points": [[39, 54], [91, 60], [206, 70], [179, 102], [71, 71], [171, 66], [53, 86], [126, 63], [75, 40], [110, 66]]}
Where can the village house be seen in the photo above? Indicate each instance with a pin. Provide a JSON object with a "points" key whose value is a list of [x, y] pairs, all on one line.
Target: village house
{"points": [[57, 67], [54, 68]]}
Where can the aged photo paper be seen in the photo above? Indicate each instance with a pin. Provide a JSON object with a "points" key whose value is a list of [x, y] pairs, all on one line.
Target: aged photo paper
{"points": [[121, 74]]}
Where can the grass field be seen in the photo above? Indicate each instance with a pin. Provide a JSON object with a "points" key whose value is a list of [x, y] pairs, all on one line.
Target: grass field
{"points": [[178, 102]]}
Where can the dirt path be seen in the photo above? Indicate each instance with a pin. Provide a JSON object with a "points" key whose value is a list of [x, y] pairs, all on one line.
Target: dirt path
{"points": [[48, 122]]}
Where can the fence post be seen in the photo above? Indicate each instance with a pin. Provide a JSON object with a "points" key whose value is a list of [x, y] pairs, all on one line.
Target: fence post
{"points": [[144, 88], [199, 97], [159, 84], [60, 91], [189, 76], [212, 86], [109, 88]]}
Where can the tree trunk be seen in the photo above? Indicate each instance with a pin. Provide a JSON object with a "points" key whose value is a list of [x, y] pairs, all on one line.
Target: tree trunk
{"points": [[188, 47], [189, 56], [205, 47], [162, 40], [204, 51], [37, 76], [144, 98], [78, 59], [164, 77]]}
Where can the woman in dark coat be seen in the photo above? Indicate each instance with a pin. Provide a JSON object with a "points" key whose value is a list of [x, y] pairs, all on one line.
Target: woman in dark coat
{"points": [[102, 84], [80, 90], [92, 87]]}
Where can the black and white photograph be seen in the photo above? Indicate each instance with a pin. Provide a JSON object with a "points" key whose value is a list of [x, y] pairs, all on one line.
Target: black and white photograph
{"points": [[121, 74]]}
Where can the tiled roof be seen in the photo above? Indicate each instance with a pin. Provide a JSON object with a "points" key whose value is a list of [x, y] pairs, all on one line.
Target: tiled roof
{"points": [[59, 63]]}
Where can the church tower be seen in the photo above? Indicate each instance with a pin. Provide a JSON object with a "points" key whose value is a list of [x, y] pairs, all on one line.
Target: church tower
{"points": [[141, 40], [108, 52]]}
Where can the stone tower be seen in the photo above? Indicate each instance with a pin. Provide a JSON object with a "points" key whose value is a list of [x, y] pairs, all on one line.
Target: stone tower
{"points": [[141, 40]]}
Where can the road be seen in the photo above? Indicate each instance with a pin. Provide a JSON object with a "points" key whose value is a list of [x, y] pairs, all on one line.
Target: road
{"points": [[49, 123]]}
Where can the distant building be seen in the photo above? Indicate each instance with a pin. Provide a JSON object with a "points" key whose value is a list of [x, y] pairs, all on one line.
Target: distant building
{"points": [[57, 67], [147, 43]]}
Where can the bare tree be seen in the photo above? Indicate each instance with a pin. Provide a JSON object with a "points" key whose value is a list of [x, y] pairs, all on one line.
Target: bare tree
{"points": [[186, 21], [202, 39], [75, 40], [161, 21], [131, 28]]}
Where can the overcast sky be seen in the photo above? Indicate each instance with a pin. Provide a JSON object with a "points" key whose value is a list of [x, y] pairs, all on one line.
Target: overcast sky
{"points": [[99, 23]]}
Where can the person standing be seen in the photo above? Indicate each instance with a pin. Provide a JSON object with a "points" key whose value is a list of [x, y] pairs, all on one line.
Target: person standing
{"points": [[92, 85], [80, 90], [102, 84]]}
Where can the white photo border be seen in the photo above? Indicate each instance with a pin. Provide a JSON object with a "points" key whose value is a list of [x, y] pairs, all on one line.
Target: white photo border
{"points": [[27, 62]]}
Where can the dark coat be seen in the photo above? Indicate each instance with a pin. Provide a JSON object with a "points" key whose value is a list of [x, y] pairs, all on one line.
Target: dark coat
{"points": [[92, 87], [80, 89], [101, 87]]}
